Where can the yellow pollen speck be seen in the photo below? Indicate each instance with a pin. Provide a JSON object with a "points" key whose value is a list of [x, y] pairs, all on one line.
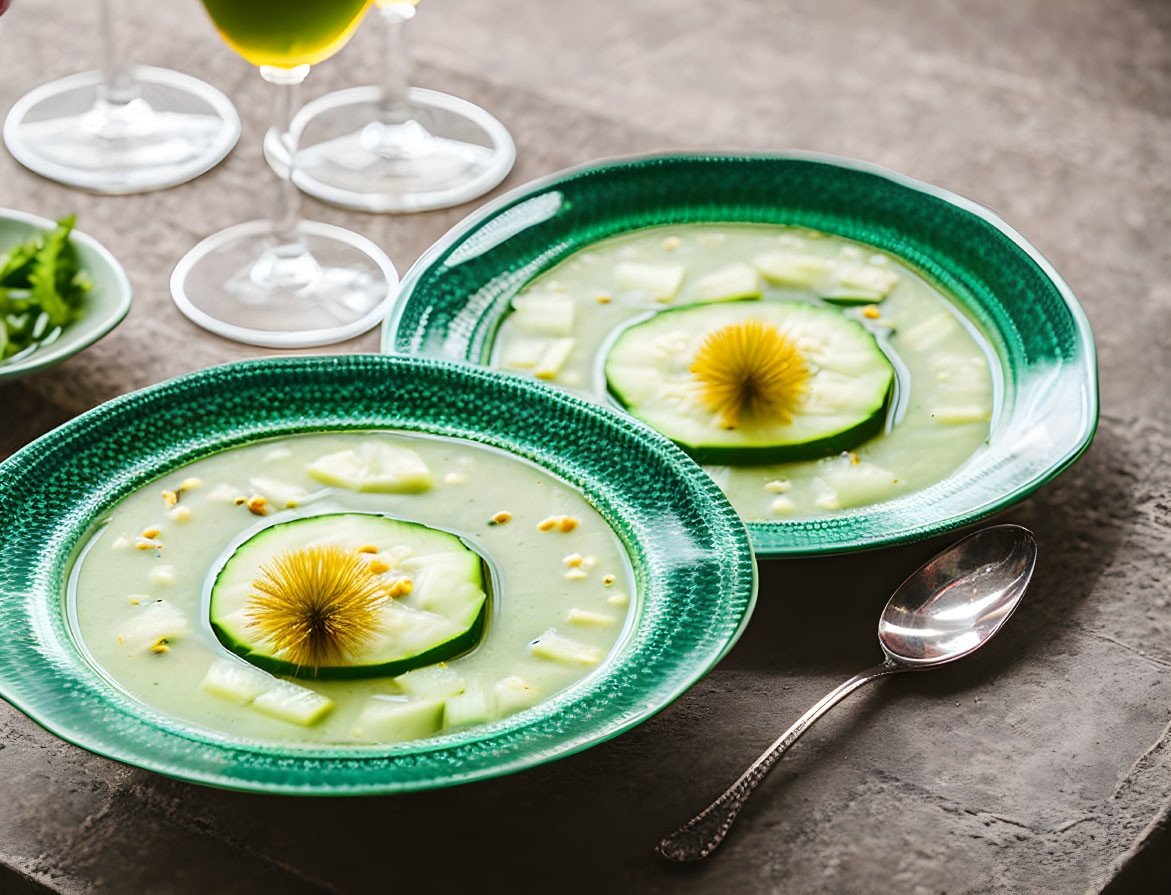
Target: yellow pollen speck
{"points": [[573, 560], [872, 312], [548, 524], [750, 366], [170, 498], [367, 548], [608, 581], [151, 532], [378, 567], [147, 545], [566, 524], [603, 298], [502, 517], [258, 506], [240, 501], [402, 587], [160, 646]]}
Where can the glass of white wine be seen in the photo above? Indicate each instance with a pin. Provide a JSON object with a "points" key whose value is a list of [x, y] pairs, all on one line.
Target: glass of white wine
{"points": [[121, 129], [285, 282], [393, 147]]}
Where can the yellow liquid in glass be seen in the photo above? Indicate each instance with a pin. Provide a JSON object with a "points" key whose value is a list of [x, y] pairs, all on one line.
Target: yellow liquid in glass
{"points": [[286, 33]]}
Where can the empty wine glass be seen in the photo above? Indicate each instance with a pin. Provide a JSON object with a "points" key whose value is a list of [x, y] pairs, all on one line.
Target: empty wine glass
{"points": [[285, 282], [124, 128], [392, 147]]}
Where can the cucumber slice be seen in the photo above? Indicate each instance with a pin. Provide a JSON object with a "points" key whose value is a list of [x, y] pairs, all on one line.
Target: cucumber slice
{"points": [[442, 616], [844, 402]]}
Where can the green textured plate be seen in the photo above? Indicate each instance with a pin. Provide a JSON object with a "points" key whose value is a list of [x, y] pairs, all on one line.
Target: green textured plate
{"points": [[105, 305], [690, 553], [456, 294]]}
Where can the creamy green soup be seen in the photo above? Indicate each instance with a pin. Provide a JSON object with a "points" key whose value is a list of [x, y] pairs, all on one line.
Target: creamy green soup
{"points": [[565, 322], [558, 584]]}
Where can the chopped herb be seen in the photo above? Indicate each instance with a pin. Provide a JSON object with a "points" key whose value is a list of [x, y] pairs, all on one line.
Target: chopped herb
{"points": [[41, 289]]}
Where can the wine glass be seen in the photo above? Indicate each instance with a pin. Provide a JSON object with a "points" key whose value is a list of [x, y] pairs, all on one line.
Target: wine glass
{"points": [[285, 282], [122, 129], [392, 147]]}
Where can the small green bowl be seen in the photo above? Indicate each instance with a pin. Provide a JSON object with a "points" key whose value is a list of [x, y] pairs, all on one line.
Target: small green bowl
{"points": [[690, 553], [453, 299], [105, 305]]}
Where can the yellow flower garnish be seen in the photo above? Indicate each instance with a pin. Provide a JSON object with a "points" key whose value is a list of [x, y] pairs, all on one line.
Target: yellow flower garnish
{"points": [[749, 366], [317, 605]]}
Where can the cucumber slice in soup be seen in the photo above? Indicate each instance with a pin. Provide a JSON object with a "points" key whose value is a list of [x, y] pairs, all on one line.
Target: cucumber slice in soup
{"points": [[441, 617], [844, 402]]}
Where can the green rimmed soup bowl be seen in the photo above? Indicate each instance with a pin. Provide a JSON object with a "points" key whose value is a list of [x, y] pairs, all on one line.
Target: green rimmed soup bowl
{"points": [[690, 555], [1044, 372]]}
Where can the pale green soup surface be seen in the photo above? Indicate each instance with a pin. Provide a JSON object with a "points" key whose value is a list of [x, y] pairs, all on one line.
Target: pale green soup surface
{"points": [[565, 320], [559, 600]]}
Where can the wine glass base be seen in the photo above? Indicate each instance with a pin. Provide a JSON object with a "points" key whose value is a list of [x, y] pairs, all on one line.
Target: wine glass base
{"points": [[451, 152], [178, 128], [231, 285]]}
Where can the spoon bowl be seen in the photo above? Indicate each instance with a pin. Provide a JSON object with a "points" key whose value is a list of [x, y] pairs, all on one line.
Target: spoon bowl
{"points": [[959, 598]]}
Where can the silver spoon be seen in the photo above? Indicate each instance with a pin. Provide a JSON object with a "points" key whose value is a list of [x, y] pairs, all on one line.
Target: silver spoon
{"points": [[947, 609]]}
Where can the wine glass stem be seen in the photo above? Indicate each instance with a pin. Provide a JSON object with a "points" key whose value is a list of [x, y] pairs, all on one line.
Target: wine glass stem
{"points": [[288, 207], [396, 63], [118, 86]]}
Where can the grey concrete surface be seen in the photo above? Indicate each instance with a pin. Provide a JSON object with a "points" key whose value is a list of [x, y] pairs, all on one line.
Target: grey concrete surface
{"points": [[1041, 765]]}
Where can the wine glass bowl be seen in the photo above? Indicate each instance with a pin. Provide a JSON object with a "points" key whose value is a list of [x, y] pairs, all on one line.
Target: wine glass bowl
{"points": [[121, 129], [392, 147]]}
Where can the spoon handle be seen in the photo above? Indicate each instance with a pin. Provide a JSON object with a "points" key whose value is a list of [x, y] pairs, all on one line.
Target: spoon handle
{"points": [[702, 835]]}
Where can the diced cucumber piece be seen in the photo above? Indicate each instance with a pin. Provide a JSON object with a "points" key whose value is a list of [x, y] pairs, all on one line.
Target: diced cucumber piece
{"points": [[858, 484], [288, 702], [962, 413], [554, 358], [548, 314], [514, 693], [524, 353], [731, 282], [658, 281], [269, 695], [432, 681], [586, 619], [375, 466], [558, 648], [153, 624], [844, 402], [926, 333], [791, 269], [280, 494], [388, 720], [441, 617], [861, 284], [235, 680], [475, 705]]}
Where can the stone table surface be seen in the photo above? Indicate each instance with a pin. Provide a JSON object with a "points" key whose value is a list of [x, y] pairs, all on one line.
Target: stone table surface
{"points": [[1041, 765]]}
